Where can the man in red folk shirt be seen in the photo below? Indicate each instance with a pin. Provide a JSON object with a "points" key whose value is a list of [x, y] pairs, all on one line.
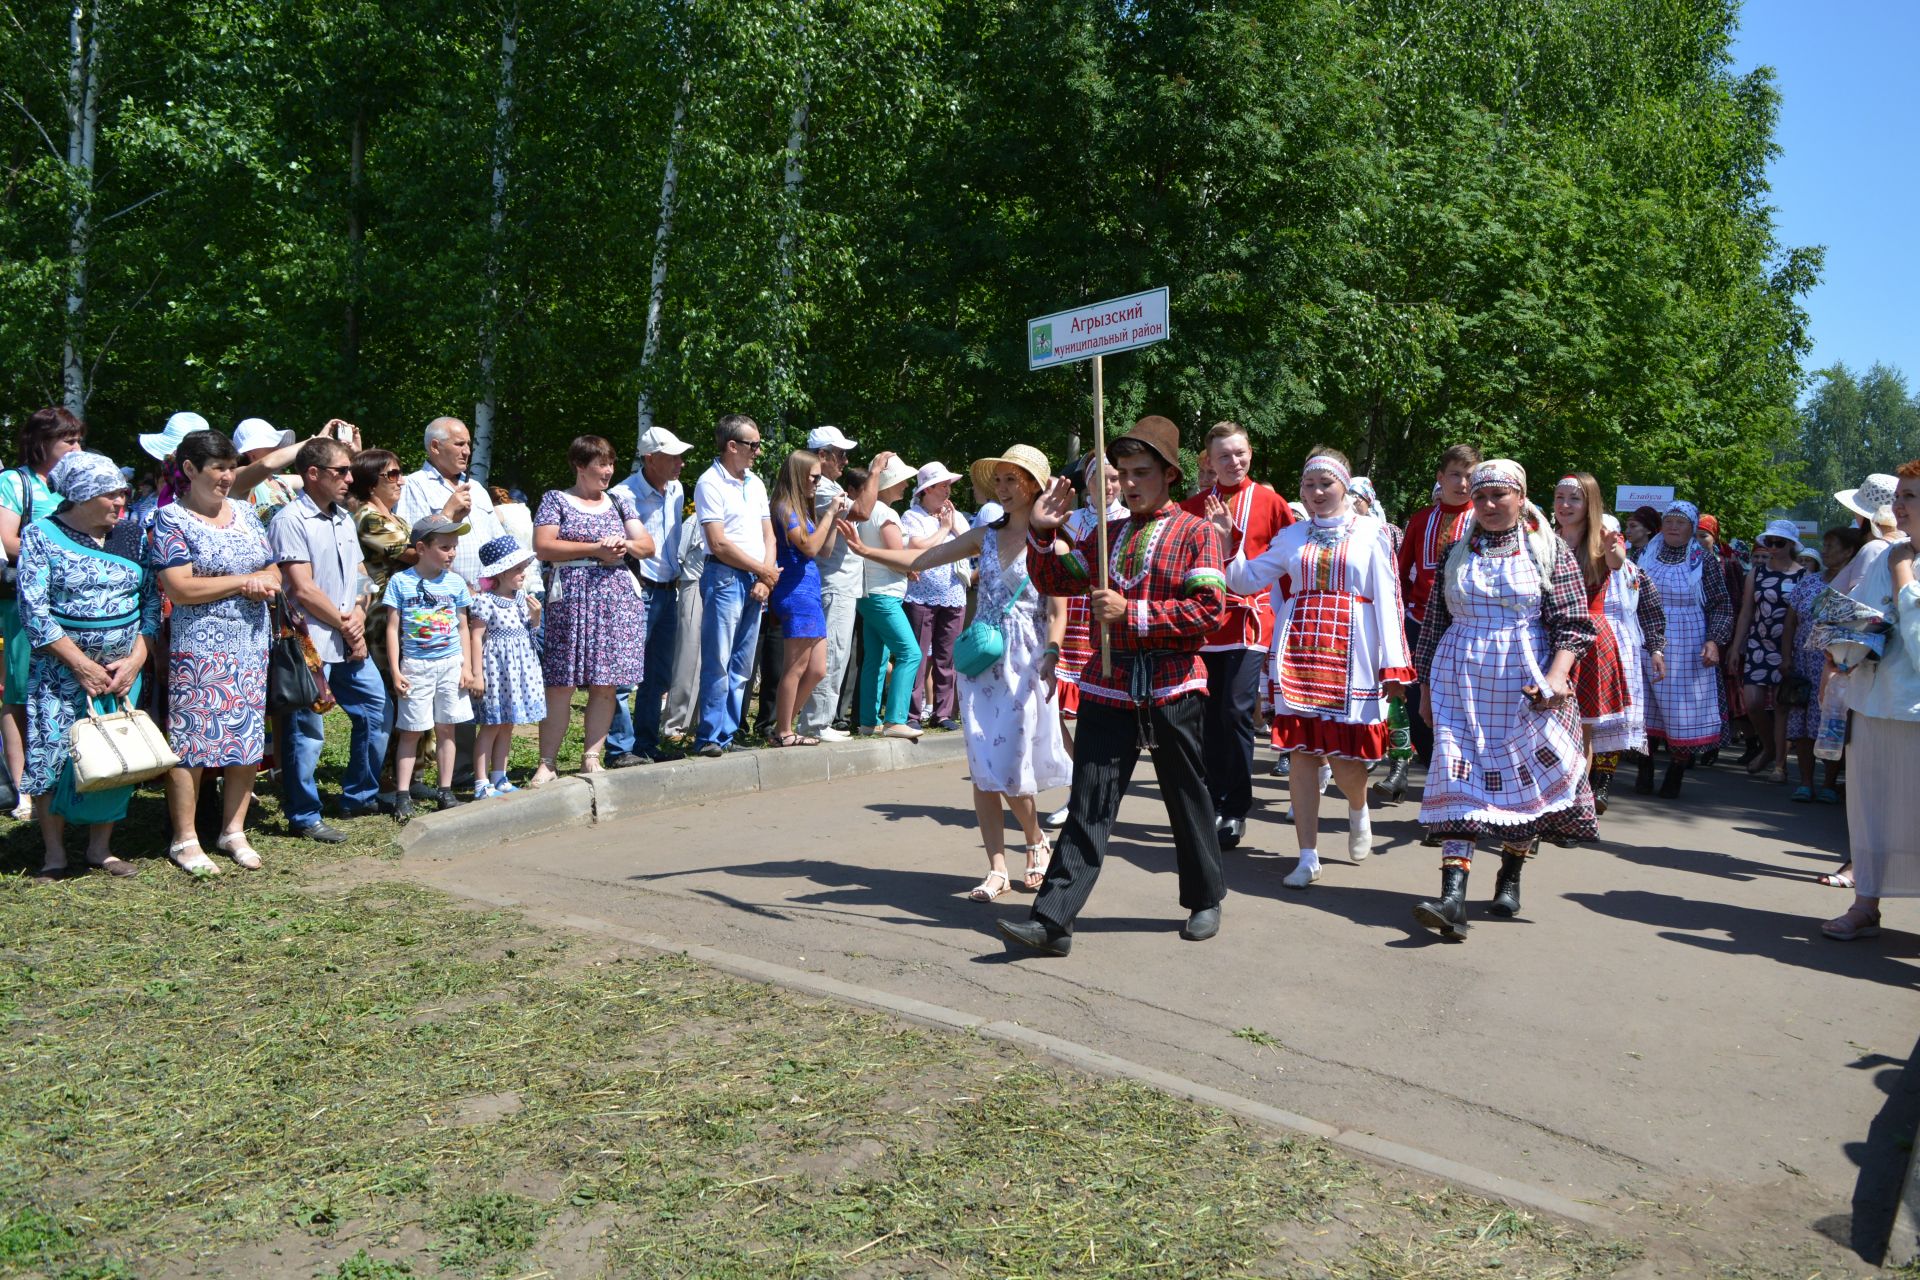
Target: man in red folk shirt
{"points": [[1168, 593], [1429, 533], [1236, 652]]}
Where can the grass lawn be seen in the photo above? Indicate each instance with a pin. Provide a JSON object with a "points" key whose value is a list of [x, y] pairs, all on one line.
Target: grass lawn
{"points": [[319, 1070]]}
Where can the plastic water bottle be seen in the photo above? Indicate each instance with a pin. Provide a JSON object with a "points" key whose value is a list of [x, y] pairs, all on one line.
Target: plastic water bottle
{"points": [[1830, 742]]}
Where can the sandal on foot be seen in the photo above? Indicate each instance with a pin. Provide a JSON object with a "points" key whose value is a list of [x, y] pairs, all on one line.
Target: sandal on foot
{"points": [[236, 846], [1854, 922], [1802, 795], [992, 887], [194, 862], [1039, 857], [543, 775], [116, 866], [1837, 880]]}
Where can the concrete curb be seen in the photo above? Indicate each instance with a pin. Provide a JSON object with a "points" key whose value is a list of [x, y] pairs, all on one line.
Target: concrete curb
{"points": [[1497, 1186], [584, 801]]}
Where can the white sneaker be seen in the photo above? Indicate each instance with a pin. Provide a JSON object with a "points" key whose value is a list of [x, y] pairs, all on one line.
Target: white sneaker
{"points": [[1302, 876], [1058, 818], [831, 734], [1359, 845]]}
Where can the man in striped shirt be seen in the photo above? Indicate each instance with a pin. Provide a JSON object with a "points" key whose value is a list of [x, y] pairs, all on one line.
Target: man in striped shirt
{"points": [[1168, 594], [1429, 533]]}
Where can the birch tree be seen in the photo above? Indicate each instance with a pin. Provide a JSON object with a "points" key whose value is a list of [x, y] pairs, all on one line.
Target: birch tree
{"points": [[490, 318]]}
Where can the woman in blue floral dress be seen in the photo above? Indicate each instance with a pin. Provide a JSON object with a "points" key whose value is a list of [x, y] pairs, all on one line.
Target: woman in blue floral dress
{"points": [[89, 612], [594, 629], [213, 559]]}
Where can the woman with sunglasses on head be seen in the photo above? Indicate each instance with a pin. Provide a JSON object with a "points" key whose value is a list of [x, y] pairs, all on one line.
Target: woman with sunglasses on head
{"points": [[1883, 816], [1339, 650], [1507, 622], [1757, 638]]}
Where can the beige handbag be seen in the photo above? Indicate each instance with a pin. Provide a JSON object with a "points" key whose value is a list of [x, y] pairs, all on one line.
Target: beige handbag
{"points": [[119, 749]]}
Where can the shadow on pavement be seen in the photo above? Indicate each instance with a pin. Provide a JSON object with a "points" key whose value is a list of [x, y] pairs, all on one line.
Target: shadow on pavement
{"points": [[1882, 1158]]}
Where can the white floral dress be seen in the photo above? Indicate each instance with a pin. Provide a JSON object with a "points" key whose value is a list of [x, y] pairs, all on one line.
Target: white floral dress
{"points": [[1012, 727]]}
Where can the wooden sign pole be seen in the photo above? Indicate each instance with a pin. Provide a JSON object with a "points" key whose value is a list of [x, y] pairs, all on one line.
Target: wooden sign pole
{"points": [[1102, 500]]}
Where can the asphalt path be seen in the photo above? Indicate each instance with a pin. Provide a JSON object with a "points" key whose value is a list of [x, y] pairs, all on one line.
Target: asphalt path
{"points": [[1662, 1031]]}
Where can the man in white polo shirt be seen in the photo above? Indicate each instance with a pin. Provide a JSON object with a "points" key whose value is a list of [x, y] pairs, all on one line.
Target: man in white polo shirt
{"points": [[730, 503]]}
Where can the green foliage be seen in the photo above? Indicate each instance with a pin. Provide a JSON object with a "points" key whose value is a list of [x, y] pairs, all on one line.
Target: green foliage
{"points": [[1849, 428], [1386, 224]]}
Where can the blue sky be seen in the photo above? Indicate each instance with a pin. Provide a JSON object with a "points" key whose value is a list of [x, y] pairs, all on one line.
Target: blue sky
{"points": [[1848, 175]]}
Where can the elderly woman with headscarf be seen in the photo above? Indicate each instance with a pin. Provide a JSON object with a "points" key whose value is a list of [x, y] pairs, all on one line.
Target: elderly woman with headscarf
{"points": [[90, 609], [1339, 650], [1683, 711], [1507, 622]]}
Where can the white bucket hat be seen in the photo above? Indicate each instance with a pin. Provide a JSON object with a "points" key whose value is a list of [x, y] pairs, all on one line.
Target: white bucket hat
{"points": [[159, 444], [258, 433], [892, 474], [1873, 499], [1783, 529], [931, 474]]}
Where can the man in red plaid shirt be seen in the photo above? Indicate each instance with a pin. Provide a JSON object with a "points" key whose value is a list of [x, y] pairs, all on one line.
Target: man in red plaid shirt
{"points": [[1168, 593]]}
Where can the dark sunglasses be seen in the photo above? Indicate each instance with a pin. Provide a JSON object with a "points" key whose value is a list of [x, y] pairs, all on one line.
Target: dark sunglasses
{"points": [[1771, 543], [345, 470], [755, 445], [394, 474]]}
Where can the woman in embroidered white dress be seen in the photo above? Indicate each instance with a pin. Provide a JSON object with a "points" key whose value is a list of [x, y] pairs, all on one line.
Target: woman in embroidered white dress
{"points": [[1507, 621], [1339, 650], [1007, 712]]}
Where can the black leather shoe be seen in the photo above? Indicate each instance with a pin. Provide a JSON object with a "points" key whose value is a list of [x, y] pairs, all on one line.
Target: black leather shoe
{"points": [[1447, 915], [403, 809], [1670, 785], [445, 798], [1506, 887], [360, 810], [1643, 779], [1601, 780], [1231, 832], [1038, 935], [1393, 787], [323, 833], [622, 760], [1201, 925], [420, 791]]}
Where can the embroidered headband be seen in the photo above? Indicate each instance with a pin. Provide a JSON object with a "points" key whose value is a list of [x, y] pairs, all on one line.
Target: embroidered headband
{"points": [[1503, 473], [81, 476], [1568, 482], [1321, 462]]}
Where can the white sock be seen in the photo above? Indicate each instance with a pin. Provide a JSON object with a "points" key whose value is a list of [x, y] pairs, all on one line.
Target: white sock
{"points": [[1359, 832], [1326, 776], [1309, 859]]}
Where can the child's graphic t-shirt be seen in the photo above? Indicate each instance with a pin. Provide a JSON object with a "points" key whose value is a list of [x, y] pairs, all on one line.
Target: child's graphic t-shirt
{"points": [[429, 610]]}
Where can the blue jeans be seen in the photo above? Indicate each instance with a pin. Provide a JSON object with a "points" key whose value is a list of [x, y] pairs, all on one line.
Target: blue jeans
{"points": [[638, 729], [358, 689], [729, 632]]}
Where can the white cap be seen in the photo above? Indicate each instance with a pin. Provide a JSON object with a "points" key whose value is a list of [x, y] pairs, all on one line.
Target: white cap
{"points": [[829, 438], [258, 433], [931, 474], [158, 444], [660, 440]]}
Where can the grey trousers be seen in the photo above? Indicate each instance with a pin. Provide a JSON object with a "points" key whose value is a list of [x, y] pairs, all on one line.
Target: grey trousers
{"points": [[825, 700], [683, 699]]}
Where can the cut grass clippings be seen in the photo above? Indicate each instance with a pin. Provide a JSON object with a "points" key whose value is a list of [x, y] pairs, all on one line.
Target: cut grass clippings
{"points": [[316, 1070]]}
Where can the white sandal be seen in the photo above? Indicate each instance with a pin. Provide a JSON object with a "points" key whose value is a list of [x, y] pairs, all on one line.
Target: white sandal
{"points": [[235, 846], [195, 862], [1039, 858], [985, 890]]}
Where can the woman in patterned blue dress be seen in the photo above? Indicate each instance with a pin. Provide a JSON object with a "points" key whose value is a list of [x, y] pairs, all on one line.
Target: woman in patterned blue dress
{"points": [[215, 564], [89, 611]]}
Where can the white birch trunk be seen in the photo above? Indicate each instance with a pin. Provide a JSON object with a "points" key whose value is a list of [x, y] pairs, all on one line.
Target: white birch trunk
{"points": [[83, 131], [796, 174], [662, 236], [488, 407]]}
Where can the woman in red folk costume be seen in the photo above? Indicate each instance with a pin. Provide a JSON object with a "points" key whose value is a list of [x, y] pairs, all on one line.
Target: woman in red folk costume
{"points": [[1599, 678], [1506, 623], [1340, 650]]}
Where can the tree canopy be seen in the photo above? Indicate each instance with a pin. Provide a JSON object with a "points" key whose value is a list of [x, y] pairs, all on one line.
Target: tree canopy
{"points": [[1851, 426], [1540, 225]]}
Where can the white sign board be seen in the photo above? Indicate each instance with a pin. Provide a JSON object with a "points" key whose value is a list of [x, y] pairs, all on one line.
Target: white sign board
{"points": [[1097, 329], [1628, 497]]}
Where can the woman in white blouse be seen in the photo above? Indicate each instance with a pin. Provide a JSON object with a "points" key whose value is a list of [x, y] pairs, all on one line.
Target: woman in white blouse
{"points": [[1883, 819]]}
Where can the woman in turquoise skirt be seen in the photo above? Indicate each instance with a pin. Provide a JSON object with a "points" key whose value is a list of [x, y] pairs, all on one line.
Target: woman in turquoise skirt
{"points": [[90, 610], [45, 438]]}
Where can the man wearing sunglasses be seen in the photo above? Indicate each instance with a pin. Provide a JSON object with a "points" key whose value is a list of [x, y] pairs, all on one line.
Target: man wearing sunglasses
{"points": [[730, 503]]}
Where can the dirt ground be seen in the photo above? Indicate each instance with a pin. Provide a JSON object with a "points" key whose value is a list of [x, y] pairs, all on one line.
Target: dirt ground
{"points": [[1663, 1031]]}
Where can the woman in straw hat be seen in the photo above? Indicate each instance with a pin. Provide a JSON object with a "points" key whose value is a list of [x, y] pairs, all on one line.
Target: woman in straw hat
{"points": [[1007, 714], [1507, 621], [1339, 650]]}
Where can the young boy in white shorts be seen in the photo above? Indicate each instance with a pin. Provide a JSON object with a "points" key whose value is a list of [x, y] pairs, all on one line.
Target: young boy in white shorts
{"points": [[433, 656]]}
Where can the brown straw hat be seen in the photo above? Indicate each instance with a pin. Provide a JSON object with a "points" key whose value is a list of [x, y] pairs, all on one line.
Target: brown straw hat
{"points": [[1023, 456], [1158, 434]]}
